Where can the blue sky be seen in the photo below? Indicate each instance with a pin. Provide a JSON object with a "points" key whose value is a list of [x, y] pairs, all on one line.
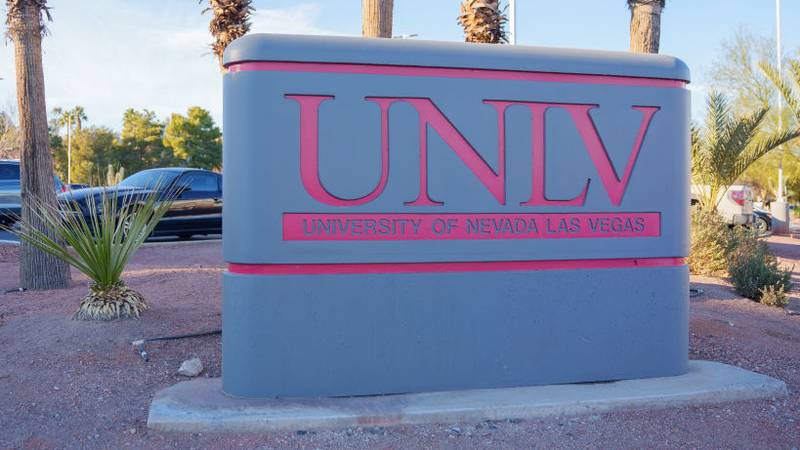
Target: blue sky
{"points": [[108, 55]]}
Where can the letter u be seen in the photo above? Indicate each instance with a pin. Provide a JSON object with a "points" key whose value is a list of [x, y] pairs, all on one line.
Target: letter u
{"points": [[309, 151]]}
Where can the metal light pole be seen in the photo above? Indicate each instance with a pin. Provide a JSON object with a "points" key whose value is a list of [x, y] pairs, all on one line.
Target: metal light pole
{"points": [[69, 148], [512, 21], [778, 57], [781, 220]]}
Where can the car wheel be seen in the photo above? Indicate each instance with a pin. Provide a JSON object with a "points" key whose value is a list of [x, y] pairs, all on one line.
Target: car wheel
{"points": [[762, 227], [126, 226]]}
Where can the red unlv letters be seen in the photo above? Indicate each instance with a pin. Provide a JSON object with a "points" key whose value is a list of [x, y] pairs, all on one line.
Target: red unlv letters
{"points": [[493, 179]]}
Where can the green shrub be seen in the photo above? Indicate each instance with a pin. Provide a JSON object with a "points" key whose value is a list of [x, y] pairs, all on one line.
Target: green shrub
{"points": [[711, 242], [754, 270], [774, 296]]}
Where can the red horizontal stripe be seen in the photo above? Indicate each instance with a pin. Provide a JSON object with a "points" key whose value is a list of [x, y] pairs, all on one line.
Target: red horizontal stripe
{"points": [[452, 72], [439, 267]]}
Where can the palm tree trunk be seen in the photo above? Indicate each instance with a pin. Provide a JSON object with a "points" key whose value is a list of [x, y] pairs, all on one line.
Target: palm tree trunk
{"points": [[645, 25], [37, 269], [376, 18]]}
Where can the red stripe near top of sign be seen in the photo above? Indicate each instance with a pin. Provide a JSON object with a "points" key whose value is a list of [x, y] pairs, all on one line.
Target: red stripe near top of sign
{"points": [[453, 72], [441, 267]]}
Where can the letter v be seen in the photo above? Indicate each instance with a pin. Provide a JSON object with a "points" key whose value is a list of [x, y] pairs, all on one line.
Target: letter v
{"points": [[614, 185]]}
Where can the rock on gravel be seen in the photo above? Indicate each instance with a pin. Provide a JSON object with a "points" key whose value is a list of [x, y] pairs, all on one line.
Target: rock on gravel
{"points": [[191, 367]]}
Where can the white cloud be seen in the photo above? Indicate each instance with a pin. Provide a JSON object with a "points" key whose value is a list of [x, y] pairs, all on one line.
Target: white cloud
{"points": [[122, 55], [300, 19]]}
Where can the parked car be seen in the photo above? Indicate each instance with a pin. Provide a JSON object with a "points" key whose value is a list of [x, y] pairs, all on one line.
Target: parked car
{"points": [[735, 204], [10, 203], [763, 220], [197, 209], [73, 186]]}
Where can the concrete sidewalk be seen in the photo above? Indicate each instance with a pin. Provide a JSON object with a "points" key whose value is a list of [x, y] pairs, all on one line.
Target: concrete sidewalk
{"points": [[199, 405]]}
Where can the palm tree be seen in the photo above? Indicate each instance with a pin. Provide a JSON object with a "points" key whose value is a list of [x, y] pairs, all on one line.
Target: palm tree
{"points": [[63, 118], [727, 145], [483, 21], [231, 20], [25, 21], [645, 25], [78, 116], [376, 18]]}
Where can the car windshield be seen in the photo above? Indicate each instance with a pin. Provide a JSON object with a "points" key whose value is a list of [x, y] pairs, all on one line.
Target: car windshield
{"points": [[149, 179], [9, 171]]}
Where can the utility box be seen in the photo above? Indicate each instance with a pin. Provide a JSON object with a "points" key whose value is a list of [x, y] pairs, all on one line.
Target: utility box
{"points": [[408, 216]]}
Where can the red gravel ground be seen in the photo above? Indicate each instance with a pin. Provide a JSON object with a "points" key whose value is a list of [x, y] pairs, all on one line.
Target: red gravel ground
{"points": [[69, 384]]}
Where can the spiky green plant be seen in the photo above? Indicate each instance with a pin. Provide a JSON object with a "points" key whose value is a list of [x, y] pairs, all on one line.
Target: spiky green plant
{"points": [[727, 145], [98, 242]]}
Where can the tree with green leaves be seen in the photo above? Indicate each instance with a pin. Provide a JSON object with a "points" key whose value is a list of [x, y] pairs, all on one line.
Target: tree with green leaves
{"points": [[59, 151], [69, 118], [141, 143], [93, 149], [25, 20], [727, 145], [195, 139], [9, 137], [736, 73]]}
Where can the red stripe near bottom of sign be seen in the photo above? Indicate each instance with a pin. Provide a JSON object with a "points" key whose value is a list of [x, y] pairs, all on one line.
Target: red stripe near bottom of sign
{"points": [[440, 267]]}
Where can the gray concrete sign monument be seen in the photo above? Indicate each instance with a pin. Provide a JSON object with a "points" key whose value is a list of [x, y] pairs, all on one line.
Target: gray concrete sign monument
{"points": [[413, 216]]}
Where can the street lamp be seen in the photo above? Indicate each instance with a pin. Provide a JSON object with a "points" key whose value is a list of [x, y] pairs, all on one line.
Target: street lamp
{"points": [[778, 54], [69, 148], [781, 220], [512, 21]]}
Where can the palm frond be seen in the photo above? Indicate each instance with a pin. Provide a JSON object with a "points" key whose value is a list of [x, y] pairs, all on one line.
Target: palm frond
{"points": [[784, 88], [763, 145]]}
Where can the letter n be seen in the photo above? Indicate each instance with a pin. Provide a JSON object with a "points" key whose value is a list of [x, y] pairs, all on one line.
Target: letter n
{"points": [[429, 114]]}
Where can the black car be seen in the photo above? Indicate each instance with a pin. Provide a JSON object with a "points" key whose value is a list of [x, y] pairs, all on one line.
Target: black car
{"points": [[197, 209]]}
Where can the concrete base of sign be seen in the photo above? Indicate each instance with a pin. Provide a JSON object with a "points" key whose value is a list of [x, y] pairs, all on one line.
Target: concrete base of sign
{"points": [[200, 406], [302, 336]]}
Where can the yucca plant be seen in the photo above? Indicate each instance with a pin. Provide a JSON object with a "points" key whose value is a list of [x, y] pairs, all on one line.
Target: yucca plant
{"points": [[727, 145], [98, 242], [483, 21], [230, 20]]}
